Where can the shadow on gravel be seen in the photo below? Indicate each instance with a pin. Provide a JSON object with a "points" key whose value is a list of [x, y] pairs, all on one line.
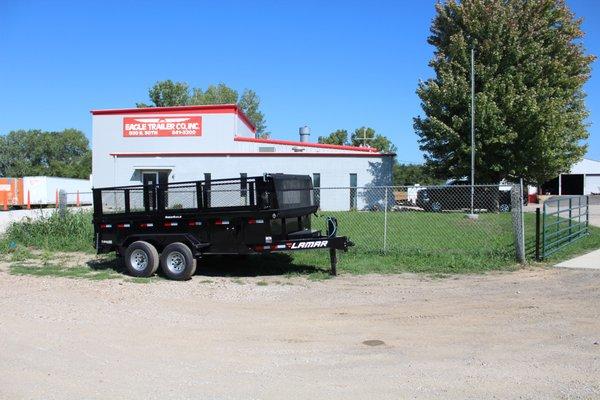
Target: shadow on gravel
{"points": [[229, 266], [109, 263], [253, 265]]}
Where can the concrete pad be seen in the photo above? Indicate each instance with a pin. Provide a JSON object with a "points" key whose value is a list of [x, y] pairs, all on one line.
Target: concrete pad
{"points": [[587, 261]]}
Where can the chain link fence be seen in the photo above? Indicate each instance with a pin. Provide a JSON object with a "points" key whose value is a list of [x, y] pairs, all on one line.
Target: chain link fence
{"points": [[484, 221], [481, 222]]}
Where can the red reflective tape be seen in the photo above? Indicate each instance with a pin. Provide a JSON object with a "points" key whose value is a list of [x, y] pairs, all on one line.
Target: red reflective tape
{"points": [[147, 225], [194, 223], [255, 221], [123, 225], [170, 224], [221, 222], [105, 226]]}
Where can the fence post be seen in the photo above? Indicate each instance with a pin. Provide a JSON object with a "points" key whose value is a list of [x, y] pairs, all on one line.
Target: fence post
{"points": [[570, 216], [517, 216], [587, 214], [522, 212], [62, 203], [385, 221], [543, 229], [537, 234]]}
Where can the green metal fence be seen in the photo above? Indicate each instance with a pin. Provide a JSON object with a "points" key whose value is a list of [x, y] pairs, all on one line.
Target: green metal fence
{"points": [[563, 220]]}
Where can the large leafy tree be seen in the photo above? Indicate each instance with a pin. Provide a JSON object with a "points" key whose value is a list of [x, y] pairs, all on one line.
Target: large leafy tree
{"points": [[339, 137], [412, 174], [35, 152], [361, 137], [368, 136], [530, 70], [168, 93]]}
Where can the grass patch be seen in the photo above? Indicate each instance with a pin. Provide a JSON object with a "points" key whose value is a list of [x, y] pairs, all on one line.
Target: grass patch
{"points": [[74, 232], [262, 283], [55, 270]]}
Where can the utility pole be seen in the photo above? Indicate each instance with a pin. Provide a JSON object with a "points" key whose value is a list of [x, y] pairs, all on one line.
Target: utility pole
{"points": [[472, 130]]}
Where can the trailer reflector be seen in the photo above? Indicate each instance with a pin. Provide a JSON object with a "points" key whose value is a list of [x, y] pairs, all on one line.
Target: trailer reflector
{"points": [[194, 223], [256, 221], [170, 224], [147, 225], [104, 226], [221, 222], [123, 225]]}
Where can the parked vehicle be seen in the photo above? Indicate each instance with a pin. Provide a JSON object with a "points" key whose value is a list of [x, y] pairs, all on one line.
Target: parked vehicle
{"points": [[457, 196], [173, 225]]}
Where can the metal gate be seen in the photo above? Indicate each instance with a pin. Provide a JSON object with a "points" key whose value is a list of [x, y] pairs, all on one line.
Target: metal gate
{"points": [[561, 221]]}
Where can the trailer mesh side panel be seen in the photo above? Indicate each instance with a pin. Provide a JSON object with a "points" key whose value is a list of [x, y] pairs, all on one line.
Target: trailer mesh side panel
{"points": [[228, 194], [180, 196], [113, 201]]}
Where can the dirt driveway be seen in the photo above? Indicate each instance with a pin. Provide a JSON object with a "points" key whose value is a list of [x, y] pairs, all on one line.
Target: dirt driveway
{"points": [[527, 334]]}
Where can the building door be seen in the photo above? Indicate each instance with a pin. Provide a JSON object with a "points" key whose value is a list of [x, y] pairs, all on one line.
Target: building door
{"points": [[353, 184], [150, 180], [571, 184]]}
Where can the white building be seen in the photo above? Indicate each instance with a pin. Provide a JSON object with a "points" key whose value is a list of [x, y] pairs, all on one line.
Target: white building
{"points": [[175, 144], [583, 178]]}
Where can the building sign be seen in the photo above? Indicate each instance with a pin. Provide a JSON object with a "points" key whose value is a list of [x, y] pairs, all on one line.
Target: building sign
{"points": [[162, 126]]}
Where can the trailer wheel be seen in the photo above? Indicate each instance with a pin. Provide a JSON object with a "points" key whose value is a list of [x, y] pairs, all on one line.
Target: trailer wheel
{"points": [[141, 259], [178, 262]]}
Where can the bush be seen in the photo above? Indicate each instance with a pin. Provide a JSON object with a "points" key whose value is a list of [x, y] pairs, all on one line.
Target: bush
{"points": [[73, 232]]}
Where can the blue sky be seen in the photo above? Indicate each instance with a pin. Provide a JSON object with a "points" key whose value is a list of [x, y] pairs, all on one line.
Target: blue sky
{"points": [[326, 64]]}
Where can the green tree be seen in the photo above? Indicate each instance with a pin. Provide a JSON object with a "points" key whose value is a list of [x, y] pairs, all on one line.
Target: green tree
{"points": [[250, 104], [339, 137], [35, 152], [373, 139], [530, 69], [412, 174], [214, 94], [168, 93]]}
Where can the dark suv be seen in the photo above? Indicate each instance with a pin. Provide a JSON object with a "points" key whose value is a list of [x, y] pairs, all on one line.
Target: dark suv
{"points": [[457, 196]]}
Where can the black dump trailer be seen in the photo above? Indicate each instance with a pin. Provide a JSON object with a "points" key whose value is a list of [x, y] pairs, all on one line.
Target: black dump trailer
{"points": [[173, 225]]}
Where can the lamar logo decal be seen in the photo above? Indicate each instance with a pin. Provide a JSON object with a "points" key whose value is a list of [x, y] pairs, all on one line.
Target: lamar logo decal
{"points": [[162, 126], [317, 244]]}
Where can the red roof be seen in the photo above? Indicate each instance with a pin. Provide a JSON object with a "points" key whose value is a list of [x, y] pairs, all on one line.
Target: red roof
{"points": [[205, 109], [306, 144]]}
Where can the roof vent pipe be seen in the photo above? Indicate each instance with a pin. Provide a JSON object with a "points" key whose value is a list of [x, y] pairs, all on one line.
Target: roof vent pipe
{"points": [[304, 133]]}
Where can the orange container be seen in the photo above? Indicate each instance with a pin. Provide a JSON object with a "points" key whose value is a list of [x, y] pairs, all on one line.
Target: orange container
{"points": [[11, 193]]}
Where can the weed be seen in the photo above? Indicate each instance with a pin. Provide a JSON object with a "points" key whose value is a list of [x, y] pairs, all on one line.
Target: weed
{"points": [[262, 283]]}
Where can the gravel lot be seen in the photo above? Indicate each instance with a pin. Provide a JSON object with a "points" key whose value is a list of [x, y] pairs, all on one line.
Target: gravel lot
{"points": [[531, 334]]}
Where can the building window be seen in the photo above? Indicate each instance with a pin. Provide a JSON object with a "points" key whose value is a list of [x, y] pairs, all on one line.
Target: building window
{"points": [[317, 188], [353, 180]]}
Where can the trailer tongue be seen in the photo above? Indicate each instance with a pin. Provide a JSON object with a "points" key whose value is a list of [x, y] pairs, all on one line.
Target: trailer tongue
{"points": [[188, 220]]}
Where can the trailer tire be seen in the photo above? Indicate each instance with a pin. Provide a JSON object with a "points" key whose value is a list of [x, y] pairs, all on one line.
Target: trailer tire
{"points": [[178, 262], [141, 259]]}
